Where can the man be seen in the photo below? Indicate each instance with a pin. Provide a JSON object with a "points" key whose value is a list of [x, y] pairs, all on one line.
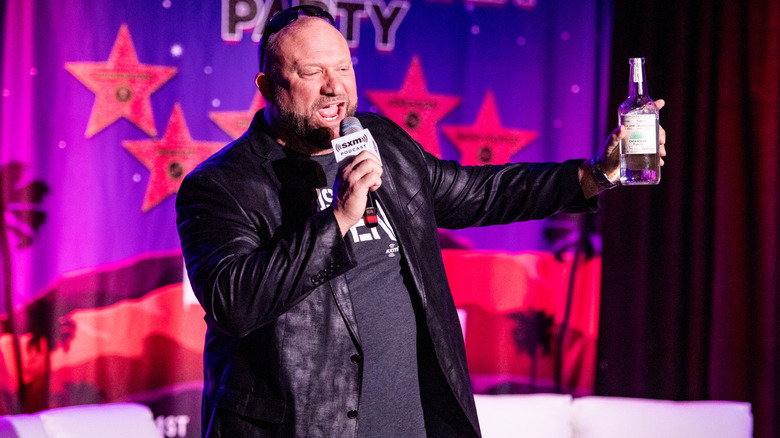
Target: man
{"points": [[317, 325]]}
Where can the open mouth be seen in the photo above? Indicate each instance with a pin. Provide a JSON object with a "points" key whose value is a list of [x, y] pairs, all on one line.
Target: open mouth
{"points": [[331, 112]]}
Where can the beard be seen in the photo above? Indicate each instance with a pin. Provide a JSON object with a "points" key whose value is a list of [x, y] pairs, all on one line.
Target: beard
{"points": [[304, 126]]}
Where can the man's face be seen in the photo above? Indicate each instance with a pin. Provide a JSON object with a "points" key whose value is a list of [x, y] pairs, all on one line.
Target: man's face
{"points": [[315, 87]]}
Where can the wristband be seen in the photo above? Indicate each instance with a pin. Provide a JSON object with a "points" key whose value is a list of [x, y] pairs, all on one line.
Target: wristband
{"points": [[599, 175]]}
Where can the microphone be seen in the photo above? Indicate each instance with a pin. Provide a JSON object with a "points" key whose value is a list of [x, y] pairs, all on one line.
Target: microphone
{"points": [[355, 139]]}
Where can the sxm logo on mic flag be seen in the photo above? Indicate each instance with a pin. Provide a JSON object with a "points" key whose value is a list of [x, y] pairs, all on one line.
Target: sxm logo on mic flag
{"points": [[352, 144]]}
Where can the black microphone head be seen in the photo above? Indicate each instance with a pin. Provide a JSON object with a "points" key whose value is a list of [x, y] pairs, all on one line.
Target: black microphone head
{"points": [[349, 125]]}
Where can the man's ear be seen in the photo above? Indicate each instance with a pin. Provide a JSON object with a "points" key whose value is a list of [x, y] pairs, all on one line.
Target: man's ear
{"points": [[265, 86]]}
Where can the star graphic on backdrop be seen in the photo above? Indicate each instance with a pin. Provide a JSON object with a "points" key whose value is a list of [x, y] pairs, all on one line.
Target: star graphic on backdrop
{"points": [[170, 158], [235, 123], [414, 108], [122, 86], [487, 142]]}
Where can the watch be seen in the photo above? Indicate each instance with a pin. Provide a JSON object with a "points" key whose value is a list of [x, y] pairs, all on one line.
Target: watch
{"points": [[599, 175]]}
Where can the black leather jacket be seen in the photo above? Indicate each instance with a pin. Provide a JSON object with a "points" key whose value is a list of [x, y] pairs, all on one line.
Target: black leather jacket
{"points": [[282, 353]]}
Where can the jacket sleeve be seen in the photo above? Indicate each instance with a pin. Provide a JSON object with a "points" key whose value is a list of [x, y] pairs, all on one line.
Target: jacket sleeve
{"points": [[499, 194], [245, 271]]}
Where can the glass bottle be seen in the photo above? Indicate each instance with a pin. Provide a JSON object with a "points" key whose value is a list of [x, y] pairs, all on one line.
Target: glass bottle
{"points": [[640, 163]]}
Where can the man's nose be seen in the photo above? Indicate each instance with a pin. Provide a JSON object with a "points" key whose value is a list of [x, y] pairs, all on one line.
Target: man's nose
{"points": [[332, 84]]}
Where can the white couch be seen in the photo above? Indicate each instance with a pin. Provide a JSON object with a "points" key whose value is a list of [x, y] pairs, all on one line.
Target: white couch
{"points": [[523, 416], [114, 420], [561, 416]]}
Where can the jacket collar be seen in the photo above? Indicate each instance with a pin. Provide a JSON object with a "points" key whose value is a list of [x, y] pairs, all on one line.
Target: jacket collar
{"points": [[259, 135]]}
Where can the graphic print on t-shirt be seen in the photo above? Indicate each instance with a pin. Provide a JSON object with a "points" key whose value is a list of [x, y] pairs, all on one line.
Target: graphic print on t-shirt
{"points": [[360, 232]]}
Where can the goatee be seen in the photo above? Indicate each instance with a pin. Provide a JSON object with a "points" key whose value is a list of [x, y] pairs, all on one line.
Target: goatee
{"points": [[301, 125]]}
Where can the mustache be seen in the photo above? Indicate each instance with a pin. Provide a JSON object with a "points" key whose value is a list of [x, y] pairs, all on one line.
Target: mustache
{"points": [[329, 100]]}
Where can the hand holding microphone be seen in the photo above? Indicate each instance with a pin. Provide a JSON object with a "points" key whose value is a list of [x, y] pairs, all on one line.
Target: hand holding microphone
{"points": [[353, 142]]}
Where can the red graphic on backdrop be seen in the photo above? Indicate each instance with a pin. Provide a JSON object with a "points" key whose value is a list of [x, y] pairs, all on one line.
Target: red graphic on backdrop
{"points": [[99, 335], [235, 123], [487, 142], [414, 108], [512, 308], [122, 86], [170, 158]]}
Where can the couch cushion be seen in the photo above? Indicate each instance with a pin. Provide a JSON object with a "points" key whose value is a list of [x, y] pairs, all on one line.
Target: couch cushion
{"points": [[526, 416], [21, 426], [117, 420], [617, 417]]}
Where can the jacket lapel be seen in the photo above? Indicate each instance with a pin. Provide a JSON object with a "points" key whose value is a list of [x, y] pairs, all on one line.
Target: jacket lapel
{"points": [[340, 292], [395, 209]]}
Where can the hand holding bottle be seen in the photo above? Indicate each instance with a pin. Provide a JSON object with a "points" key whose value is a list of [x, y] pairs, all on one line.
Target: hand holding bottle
{"points": [[603, 172]]}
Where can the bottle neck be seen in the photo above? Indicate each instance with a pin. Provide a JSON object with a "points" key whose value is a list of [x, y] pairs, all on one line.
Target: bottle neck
{"points": [[637, 85]]}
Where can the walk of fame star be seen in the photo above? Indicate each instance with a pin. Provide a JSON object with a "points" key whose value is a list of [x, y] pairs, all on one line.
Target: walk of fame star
{"points": [[487, 142], [122, 86], [414, 108], [235, 123], [170, 158]]}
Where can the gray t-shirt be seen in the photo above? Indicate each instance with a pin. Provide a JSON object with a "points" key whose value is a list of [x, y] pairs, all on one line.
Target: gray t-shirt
{"points": [[390, 396]]}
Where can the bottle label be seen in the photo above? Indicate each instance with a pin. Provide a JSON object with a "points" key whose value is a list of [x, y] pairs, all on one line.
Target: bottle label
{"points": [[641, 134]]}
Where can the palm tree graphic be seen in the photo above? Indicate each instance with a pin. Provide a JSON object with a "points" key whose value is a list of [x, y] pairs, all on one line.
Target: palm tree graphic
{"points": [[21, 218], [532, 332], [580, 235]]}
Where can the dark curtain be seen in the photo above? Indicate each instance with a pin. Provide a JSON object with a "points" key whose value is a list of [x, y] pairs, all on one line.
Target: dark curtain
{"points": [[690, 273]]}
